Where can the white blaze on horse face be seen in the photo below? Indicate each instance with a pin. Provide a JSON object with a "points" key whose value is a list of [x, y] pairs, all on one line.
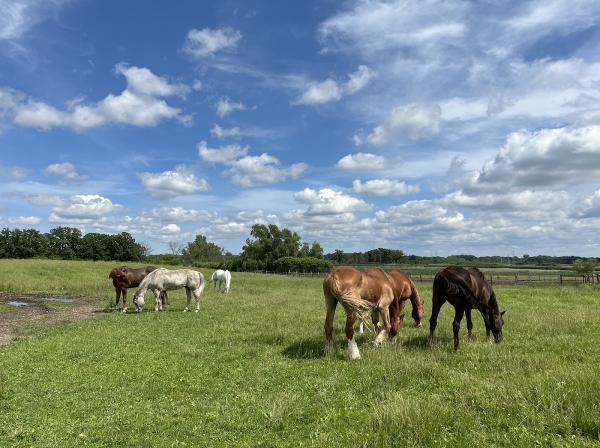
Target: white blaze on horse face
{"points": [[353, 352]]}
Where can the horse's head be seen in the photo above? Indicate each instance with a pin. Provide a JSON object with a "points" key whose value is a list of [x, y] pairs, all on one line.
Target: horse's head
{"points": [[496, 324]]}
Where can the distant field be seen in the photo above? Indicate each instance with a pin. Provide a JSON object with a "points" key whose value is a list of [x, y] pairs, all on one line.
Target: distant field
{"points": [[249, 370]]}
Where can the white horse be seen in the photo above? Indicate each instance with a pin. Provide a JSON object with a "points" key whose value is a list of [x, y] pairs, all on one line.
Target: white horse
{"points": [[165, 280], [223, 277]]}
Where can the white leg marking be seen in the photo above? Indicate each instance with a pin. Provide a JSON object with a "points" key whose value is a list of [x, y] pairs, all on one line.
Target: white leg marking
{"points": [[381, 337], [353, 352], [361, 328]]}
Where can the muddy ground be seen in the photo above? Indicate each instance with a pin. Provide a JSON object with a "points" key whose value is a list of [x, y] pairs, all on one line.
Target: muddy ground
{"points": [[22, 313]]}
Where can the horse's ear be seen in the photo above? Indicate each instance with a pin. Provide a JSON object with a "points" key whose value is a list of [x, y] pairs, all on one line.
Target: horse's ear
{"points": [[502, 313]]}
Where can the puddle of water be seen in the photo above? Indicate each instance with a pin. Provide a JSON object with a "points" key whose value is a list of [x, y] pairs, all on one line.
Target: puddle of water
{"points": [[19, 304], [59, 299]]}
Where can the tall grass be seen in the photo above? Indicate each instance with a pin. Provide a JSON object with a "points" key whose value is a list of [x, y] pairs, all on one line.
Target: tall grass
{"points": [[249, 370]]}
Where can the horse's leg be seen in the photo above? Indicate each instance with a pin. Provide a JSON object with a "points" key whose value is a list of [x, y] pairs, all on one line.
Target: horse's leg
{"points": [[469, 323], [330, 305], [458, 315], [437, 302], [197, 292], [118, 298], [384, 333], [401, 313], [396, 316], [124, 294], [353, 352], [188, 293], [157, 302]]}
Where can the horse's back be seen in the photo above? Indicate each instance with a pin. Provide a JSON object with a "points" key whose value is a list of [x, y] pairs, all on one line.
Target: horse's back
{"points": [[402, 283]]}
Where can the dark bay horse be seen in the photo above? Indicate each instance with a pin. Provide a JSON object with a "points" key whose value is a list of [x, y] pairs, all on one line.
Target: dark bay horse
{"points": [[465, 289], [124, 277]]}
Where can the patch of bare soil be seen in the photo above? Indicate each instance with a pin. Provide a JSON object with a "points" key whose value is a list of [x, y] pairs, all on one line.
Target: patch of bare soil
{"points": [[28, 310]]}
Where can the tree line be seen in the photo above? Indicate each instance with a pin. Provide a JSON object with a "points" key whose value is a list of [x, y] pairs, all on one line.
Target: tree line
{"points": [[68, 243], [392, 256]]}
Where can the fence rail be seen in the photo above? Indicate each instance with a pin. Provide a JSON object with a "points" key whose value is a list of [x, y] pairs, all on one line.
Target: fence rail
{"points": [[493, 278]]}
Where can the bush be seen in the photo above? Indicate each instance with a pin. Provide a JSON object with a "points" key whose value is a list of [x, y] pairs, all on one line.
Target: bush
{"points": [[304, 264]]}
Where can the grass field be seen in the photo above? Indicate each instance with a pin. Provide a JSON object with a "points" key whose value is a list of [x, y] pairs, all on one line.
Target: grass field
{"points": [[249, 370]]}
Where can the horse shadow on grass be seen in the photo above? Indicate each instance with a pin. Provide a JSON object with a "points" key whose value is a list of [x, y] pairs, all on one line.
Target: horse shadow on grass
{"points": [[311, 348], [314, 348], [421, 342]]}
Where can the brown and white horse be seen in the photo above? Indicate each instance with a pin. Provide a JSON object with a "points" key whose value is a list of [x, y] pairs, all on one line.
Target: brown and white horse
{"points": [[360, 293], [124, 277]]}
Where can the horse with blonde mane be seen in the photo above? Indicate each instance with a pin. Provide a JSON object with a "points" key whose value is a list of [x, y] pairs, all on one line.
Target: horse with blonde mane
{"points": [[360, 293], [162, 280], [223, 277], [404, 290]]}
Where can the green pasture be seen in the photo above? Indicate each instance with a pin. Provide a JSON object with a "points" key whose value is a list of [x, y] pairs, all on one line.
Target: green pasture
{"points": [[249, 370]]}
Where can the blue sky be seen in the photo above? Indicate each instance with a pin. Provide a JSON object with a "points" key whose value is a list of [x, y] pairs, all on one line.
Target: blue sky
{"points": [[435, 127]]}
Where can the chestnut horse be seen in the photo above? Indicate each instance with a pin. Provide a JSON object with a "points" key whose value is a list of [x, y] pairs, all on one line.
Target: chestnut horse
{"points": [[360, 293], [404, 290], [124, 277], [465, 289]]}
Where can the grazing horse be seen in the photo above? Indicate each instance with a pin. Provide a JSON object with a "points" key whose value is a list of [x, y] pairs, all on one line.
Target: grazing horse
{"points": [[404, 290], [124, 277], [360, 293], [465, 289], [223, 278], [162, 280]]}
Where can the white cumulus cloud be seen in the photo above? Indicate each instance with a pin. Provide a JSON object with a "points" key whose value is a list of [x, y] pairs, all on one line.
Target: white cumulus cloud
{"points": [[83, 207], [383, 187], [169, 184], [65, 170], [330, 90], [328, 201], [223, 154], [207, 42], [413, 120], [225, 107], [361, 161], [140, 104]]}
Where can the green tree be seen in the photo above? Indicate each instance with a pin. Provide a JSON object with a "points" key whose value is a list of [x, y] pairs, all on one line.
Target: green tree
{"points": [[63, 242], [584, 266], [202, 250], [316, 251], [268, 243]]}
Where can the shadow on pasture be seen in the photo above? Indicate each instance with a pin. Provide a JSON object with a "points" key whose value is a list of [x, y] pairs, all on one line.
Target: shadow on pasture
{"points": [[306, 349], [421, 342]]}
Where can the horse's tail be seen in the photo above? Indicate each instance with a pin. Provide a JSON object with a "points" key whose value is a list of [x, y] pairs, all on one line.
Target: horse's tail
{"points": [[350, 300], [227, 281], [418, 309]]}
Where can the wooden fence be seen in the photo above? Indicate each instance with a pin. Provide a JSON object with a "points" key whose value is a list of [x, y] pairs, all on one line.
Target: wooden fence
{"points": [[527, 279]]}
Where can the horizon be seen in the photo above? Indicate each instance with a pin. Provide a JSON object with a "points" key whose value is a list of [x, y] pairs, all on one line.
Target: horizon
{"points": [[437, 128]]}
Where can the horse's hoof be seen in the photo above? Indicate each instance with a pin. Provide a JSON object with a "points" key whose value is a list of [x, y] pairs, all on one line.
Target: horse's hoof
{"points": [[186, 310], [354, 354], [197, 311], [124, 310]]}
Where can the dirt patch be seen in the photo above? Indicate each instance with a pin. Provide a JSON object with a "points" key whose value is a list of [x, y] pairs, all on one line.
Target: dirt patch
{"points": [[24, 311]]}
